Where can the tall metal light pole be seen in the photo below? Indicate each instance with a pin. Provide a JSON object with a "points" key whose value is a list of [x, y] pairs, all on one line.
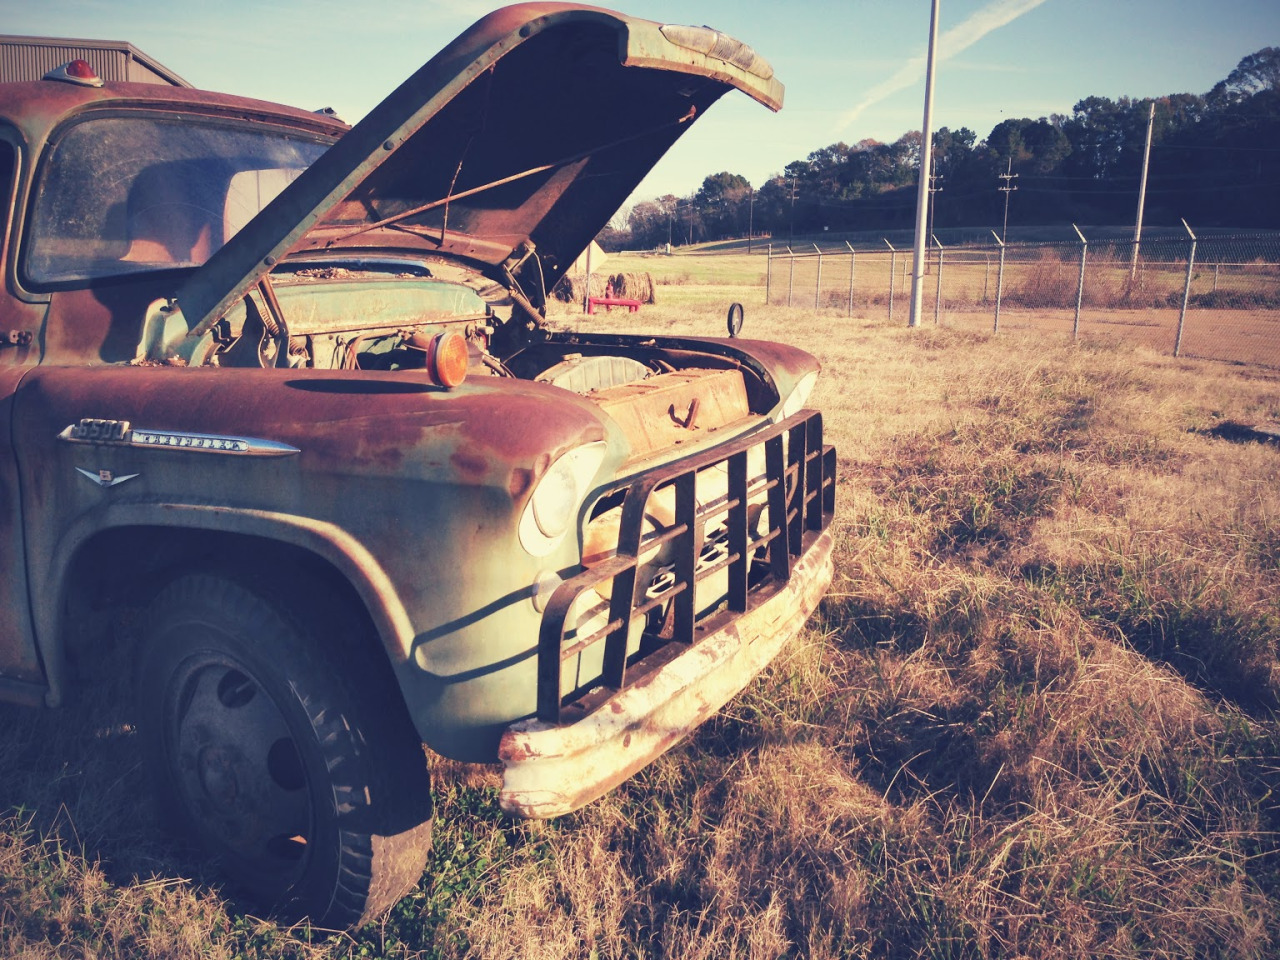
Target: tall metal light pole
{"points": [[926, 156]]}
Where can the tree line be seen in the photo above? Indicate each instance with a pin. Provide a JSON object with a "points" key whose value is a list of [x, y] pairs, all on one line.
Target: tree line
{"points": [[1215, 161]]}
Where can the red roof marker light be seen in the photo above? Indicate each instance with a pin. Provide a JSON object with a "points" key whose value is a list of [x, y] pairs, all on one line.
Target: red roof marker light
{"points": [[75, 71]]}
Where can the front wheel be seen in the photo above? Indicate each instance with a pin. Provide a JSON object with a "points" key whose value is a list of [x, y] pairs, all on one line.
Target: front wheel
{"points": [[284, 751]]}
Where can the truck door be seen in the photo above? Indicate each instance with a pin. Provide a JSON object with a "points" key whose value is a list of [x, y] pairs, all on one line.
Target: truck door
{"points": [[21, 676]]}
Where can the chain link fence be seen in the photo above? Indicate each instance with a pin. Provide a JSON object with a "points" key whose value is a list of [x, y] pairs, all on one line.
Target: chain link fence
{"points": [[1215, 298]]}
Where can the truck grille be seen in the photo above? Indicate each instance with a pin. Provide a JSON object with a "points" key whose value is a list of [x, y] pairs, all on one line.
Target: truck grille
{"points": [[744, 542]]}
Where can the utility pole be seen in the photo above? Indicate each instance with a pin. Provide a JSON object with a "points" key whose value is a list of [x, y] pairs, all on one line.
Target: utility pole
{"points": [[1009, 186], [933, 189], [1142, 192], [791, 234], [751, 216], [926, 157]]}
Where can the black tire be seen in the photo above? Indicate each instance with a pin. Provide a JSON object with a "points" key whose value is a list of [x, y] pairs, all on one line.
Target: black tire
{"points": [[283, 751]]}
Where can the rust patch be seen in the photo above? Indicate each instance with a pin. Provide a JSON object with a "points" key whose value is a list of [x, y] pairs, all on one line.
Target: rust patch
{"points": [[471, 431], [519, 482], [469, 466], [521, 751]]}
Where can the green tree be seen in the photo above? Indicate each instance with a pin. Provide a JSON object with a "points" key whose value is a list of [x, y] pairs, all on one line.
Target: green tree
{"points": [[720, 187], [1255, 73], [1096, 132], [650, 222], [721, 204]]}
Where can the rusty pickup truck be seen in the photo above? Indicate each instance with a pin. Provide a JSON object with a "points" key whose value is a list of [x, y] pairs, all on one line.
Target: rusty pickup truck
{"points": [[285, 387]]}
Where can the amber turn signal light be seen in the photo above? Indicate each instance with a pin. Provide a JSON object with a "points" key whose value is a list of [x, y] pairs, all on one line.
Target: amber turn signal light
{"points": [[447, 359]]}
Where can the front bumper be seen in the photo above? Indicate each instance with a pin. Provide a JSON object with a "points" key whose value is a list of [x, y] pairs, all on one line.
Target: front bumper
{"points": [[582, 745]]}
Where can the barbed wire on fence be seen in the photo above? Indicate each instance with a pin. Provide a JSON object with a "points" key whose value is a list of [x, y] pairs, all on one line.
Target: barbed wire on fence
{"points": [[1215, 298]]}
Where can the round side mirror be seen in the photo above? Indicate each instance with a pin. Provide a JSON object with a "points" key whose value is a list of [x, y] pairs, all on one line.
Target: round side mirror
{"points": [[735, 319]]}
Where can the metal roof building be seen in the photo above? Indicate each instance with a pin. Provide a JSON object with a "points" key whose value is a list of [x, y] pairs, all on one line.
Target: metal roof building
{"points": [[30, 58]]}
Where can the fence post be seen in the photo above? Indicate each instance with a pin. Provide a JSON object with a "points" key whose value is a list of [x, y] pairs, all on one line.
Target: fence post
{"points": [[1186, 290], [1216, 267], [768, 273], [986, 277], [791, 277], [999, 282], [817, 287], [893, 268], [937, 296], [1084, 253], [851, 259]]}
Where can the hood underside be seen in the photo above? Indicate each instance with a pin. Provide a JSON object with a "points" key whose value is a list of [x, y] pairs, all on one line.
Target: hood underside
{"points": [[507, 151]]}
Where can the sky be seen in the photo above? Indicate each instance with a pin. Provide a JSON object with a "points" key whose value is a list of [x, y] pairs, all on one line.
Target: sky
{"points": [[853, 69]]}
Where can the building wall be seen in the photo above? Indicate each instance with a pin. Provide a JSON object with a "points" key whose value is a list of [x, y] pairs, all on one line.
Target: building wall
{"points": [[30, 58]]}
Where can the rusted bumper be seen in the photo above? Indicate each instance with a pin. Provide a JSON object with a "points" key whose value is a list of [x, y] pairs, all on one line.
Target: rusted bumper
{"points": [[554, 769], [620, 686]]}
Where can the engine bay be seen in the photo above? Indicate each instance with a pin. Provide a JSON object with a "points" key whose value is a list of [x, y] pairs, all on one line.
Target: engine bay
{"points": [[397, 315]]}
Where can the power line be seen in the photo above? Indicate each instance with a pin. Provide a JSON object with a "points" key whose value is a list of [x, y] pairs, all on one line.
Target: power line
{"points": [[1187, 146], [1174, 191]]}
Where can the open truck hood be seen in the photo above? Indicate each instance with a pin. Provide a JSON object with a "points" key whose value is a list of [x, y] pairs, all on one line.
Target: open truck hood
{"points": [[507, 151]]}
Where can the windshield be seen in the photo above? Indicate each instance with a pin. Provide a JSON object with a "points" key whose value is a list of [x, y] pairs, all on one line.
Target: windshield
{"points": [[122, 194]]}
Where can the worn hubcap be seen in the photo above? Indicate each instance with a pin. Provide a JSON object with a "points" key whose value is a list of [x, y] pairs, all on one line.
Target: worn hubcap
{"points": [[239, 768]]}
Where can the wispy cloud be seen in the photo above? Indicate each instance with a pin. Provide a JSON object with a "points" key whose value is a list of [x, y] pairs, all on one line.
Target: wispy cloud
{"points": [[960, 37]]}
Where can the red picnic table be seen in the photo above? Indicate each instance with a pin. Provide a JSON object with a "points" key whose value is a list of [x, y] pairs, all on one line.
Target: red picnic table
{"points": [[609, 302]]}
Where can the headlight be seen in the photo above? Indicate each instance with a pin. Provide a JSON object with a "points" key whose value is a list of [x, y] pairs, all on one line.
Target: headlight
{"points": [[554, 503], [799, 396], [553, 500]]}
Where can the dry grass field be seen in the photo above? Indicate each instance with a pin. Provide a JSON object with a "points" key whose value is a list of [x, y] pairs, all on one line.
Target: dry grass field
{"points": [[1035, 718]]}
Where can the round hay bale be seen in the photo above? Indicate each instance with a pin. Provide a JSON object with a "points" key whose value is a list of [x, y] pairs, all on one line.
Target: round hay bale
{"points": [[568, 289], [634, 286], [572, 288]]}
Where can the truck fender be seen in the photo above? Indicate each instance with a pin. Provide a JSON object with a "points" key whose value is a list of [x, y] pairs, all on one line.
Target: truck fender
{"points": [[326, 540]]}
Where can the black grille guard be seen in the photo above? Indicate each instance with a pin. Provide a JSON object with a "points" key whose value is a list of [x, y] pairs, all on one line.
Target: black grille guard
{"points": [[800, 487]]}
